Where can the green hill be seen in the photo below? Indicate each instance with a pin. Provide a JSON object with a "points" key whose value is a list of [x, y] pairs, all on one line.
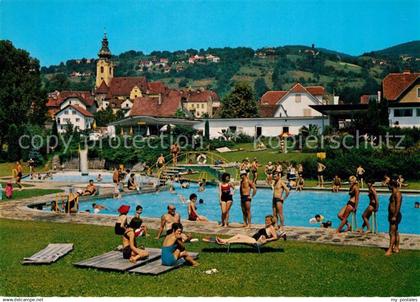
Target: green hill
{"points": [[280, 67], [411, 49]]}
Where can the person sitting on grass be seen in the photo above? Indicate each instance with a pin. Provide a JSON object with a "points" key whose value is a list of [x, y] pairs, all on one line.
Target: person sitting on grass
{"points": [[90, 189], [264, 235], [132, 183], [401, 182], [173, 247], [192, 210], [336, 184], [130, 249]]}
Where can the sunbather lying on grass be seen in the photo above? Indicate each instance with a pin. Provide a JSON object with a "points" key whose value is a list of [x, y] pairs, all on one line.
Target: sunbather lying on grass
{"points": [[264, 235]]}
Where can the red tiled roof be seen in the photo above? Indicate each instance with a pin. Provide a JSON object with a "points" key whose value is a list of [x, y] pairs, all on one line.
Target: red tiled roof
{"points": [[85, 96], [122, 86], [149, 106], [103, 88], [394, 84], [267, 110], [298, 88], [364, 99], [201, 96], [82, 110], [315, 90], [155, 87], [272, 97]]}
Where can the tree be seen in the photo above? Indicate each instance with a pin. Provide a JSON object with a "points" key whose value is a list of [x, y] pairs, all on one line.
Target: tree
{"points": [[21, 97], [260, 87], [13, 150], [207, 130], [240, 102], [104, 117]]}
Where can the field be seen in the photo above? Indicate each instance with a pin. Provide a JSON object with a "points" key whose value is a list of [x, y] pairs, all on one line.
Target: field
{"points": [[283, 269]]}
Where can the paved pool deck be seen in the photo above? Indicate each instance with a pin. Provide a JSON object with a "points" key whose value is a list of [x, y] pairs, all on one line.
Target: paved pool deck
{"points": [[20, 210]]}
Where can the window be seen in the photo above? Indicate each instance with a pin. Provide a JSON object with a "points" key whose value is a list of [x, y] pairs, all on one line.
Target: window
{"points": [[418, 93], [418, 112], [232, 129], [102, 69], [403, 112], [202, 106], [285, 129], [66, 112], [58, 120], [192, 105], [298, 98], [73, 112], [77, 120]]}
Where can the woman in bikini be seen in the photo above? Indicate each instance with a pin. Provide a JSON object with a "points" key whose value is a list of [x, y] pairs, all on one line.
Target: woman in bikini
{"points": [[226, 191], [266, 234], [351, 205], [372, 207]]}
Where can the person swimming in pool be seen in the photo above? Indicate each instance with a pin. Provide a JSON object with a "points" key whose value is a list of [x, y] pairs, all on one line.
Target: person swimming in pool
{"points": [[351, 205], [130, 249], [173, 248], [266, 234]]}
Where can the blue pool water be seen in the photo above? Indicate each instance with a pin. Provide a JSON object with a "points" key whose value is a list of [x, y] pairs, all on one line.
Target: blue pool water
{"points": [[77, 177], [299, 207]]}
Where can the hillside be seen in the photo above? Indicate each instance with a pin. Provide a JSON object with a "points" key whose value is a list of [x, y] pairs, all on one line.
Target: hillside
{"points": [[409, 49], [217, 68]]}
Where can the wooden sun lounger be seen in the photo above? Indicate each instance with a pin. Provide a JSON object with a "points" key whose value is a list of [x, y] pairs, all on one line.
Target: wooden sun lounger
{"points": [[114, 261], [50, 254], [156, 267]]}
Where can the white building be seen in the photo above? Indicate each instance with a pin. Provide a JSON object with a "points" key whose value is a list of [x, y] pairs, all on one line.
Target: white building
{"points": [[256, 127], [402, 90], [77, 116]]}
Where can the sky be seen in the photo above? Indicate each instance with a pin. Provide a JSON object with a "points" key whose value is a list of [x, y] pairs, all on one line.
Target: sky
{"points": [[57, 30]]}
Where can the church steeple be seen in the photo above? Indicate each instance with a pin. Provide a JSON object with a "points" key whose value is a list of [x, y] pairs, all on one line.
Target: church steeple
{"points": [[104, 52], [104, 66]]}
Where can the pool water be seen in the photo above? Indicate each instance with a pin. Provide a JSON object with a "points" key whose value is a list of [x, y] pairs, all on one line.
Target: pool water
{"points": [[77, 177], [299, 207]]}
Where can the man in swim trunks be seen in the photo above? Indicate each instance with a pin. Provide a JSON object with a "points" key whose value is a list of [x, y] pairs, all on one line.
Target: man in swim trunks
{"points": [[254, 170], [90, 189], [279, 187], [246, 186], [394, 217], [168, 219], [160, 161], [359, 174], [320, 170]]}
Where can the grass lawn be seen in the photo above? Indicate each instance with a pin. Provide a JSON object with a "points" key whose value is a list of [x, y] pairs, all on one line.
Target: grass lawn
{"points": [[30, 193], [283, 269]]}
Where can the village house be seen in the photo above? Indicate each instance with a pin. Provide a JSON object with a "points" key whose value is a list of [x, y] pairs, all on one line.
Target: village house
{"points": [[402, 91]]}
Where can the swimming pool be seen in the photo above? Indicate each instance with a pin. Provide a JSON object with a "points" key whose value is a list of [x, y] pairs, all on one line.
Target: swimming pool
{"points": [[77, 177], [298, 208]]}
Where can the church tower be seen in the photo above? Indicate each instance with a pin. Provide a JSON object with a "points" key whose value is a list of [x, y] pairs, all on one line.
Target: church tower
{"points": [[104, 66]]}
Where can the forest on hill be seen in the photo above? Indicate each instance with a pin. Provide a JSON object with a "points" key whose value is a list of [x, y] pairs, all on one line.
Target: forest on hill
{"points": [[270, 68]]}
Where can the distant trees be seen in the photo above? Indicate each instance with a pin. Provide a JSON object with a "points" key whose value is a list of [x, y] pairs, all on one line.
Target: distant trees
{"points": [[22, 100], [240, 102], [260, 87]]}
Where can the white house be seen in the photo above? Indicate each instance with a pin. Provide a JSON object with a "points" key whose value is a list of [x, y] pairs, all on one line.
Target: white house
{"points": [[79, 117], [402, 90], [281, 112]]}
